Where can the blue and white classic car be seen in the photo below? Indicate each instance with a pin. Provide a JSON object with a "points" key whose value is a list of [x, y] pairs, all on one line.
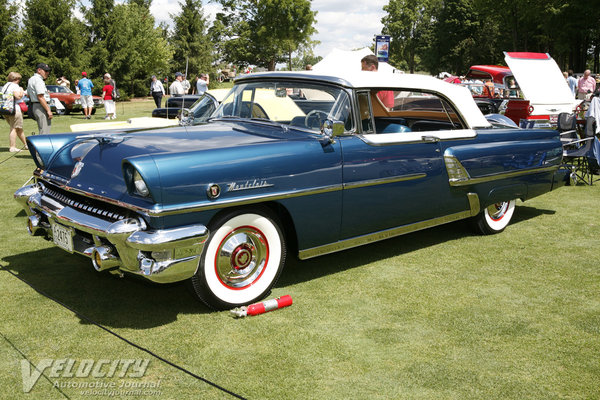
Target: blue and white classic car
{"points": [[297, 161]]}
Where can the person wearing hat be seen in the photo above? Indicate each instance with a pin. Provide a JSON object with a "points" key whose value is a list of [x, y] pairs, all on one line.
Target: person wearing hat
{"points": [[157, 90], [40, 98], [87, 102], [176, 89]]}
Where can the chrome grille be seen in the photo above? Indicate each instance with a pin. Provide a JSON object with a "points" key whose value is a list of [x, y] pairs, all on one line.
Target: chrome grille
{"points": [[89, 206]]}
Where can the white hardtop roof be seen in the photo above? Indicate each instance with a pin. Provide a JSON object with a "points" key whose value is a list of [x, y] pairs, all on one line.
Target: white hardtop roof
{"points": [[348, 61], [458, 95]]}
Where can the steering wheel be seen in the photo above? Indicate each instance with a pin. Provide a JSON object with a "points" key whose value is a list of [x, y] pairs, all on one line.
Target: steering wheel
{"points": [[318, 113]]}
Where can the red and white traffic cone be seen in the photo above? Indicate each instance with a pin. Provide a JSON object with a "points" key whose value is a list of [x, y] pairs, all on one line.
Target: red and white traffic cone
{"points": [[263, 306]]}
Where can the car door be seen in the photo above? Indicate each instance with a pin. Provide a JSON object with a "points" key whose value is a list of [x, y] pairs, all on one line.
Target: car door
{"points": [[393, 172]]}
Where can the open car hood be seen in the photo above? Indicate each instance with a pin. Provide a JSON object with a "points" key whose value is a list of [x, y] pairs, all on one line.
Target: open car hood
{"points": [[541, 81]]}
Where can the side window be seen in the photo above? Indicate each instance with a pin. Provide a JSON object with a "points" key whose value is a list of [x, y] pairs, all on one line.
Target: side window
{"points": [[364, 111], [401, 111]]}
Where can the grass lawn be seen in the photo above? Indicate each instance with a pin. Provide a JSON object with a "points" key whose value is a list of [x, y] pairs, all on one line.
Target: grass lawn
{"points": [[437, 314]]}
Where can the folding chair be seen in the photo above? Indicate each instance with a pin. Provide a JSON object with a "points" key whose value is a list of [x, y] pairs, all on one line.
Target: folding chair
{"points": [[577, 151], [567, 126]]}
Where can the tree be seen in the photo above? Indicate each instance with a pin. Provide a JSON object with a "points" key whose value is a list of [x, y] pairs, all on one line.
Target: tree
{"points": [[263, 32], [53, 35], [99, 19], [190, 40], [136, 48], [407, 22], [9, 36], [455, 35]]}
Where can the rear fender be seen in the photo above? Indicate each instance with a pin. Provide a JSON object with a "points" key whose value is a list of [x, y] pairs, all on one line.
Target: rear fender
{"points": [[485, 162]]}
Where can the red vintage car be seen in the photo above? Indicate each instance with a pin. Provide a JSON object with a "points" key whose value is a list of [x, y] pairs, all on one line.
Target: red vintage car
{"points": [[71, 101], [530, 88]]}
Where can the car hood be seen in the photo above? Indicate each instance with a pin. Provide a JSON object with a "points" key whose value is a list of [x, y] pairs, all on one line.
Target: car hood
{"points": [[541, 82], [92, 163]]}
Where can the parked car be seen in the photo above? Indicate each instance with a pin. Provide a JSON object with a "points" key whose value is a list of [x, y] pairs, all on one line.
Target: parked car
{"points": [[26, 107], [289, 162], [71, 101], [174, 105], [226, 75], [531, 88], [198, 112]]}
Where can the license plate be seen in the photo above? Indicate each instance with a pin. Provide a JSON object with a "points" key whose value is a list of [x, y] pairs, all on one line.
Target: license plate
{"points": [[62, 237]]}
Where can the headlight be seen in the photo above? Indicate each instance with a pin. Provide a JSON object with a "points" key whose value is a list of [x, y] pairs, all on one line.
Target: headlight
{"points": [[140, 185], [77, 101], [39, 159]]}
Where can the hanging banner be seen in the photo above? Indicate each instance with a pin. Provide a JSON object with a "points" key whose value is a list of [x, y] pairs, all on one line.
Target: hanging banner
{"points": [[382, 47]]}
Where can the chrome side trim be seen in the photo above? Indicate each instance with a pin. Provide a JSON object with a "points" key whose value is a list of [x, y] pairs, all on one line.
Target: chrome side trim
{"points": [[383, 181], [392, 232], [458, 175], [171, 210]]}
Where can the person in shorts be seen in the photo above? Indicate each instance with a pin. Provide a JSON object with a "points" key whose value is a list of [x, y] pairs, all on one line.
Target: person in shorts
{"points": [[15, 121], [87, 102]]}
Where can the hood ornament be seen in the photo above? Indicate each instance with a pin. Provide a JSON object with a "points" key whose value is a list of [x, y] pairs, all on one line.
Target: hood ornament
{"points": [[77, 169]]}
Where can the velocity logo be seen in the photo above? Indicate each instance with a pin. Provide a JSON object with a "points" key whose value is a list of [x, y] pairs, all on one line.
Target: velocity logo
{"points": [[71, 368]]}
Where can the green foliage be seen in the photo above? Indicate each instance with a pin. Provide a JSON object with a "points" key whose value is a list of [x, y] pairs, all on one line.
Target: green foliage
{"points": [[437, 314], [262, 32], [436, 35], [99, 18], [190, 40], [408, 22], [135, 48], [9, 35], [52, 35]]}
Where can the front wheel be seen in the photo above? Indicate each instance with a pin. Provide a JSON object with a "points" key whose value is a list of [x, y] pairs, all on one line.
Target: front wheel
{"points": [[494, 218], [241, 261]]}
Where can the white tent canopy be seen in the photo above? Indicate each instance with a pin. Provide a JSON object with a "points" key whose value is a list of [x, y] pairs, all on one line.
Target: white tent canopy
{"points": [[348, 61]]}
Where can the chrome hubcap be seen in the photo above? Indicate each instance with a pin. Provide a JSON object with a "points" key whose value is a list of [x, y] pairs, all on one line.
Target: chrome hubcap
{"points": [[242, 257], [497, 211]]}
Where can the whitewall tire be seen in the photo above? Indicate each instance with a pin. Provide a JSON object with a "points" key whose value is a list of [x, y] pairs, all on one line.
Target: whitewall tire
{"points": [[495, 217], [241, 261]]}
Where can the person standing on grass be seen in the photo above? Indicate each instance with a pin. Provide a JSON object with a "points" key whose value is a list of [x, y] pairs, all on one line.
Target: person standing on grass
{"points": [[176, 90], [115, 92], [107, 96], [15, 121], [586, 86], [157, 90], [202, 84], [40, 98], [87, 102]]}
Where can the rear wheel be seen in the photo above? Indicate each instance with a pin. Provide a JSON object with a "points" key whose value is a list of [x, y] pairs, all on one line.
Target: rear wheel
{"points": [[241, 261], [496, 217]]}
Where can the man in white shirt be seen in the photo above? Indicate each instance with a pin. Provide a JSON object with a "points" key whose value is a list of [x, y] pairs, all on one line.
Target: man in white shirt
{"points": [[157, 90], [202, 84], [185, 84], [176, 89], [40, 98]]}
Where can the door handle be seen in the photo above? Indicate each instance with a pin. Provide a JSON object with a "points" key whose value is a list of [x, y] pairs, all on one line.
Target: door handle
{"points": [[430, 139]]}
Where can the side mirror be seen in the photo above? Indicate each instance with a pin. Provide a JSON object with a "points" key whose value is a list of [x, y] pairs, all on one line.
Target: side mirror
{"points": [[185, 117], [332, 129]]}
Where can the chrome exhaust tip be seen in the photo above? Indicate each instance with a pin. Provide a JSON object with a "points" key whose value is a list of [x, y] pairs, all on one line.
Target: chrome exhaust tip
{"points": [[103, 258]]}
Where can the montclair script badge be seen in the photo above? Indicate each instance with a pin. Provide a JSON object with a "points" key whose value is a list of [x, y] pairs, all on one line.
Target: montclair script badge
{"points": [[76, 169], [213, 191]]}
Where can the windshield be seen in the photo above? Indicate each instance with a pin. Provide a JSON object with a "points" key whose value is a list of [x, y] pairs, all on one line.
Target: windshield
{"points": [[58, 89], [296, 104], [200, 111]]}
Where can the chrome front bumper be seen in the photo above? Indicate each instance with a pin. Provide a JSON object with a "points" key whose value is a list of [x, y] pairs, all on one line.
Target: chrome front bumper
{"points": [[128, 245]]}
